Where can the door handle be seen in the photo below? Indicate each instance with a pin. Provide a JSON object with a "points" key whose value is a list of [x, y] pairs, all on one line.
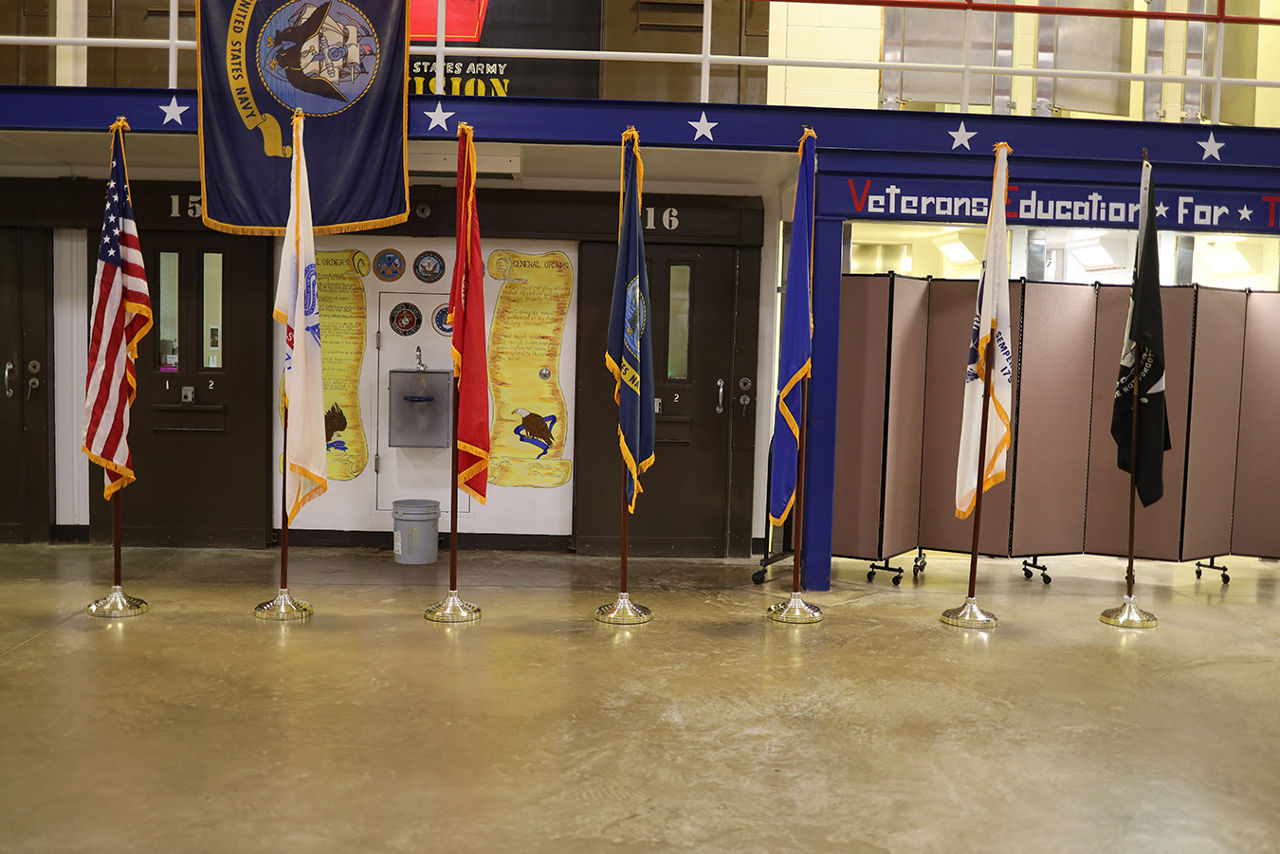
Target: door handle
{"points": [[719, 396], [32, 385], [8, 369]]}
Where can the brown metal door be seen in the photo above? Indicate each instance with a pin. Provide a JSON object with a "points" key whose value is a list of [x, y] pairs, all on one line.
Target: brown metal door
{"points": [[684, 509], [24, 392], [199, 428]]}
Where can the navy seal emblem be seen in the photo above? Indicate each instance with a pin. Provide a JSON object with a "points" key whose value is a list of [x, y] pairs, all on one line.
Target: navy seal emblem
{"points": [[318, 58], [429, 267]]}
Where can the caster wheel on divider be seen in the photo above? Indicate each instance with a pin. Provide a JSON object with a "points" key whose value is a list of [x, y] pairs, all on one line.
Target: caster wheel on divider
{"points": [[1226, 579], [1197, 572], [1026, 572], [897, 579], [757, 577], [1046, 579], [871, 574], [915, 573], [920, 564]]}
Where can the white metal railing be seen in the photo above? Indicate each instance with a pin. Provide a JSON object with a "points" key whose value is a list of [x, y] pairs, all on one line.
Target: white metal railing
{"points": [[706, 59]]}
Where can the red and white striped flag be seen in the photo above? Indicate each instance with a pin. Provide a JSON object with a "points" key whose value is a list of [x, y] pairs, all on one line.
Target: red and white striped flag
{"points": [[121, 316]]}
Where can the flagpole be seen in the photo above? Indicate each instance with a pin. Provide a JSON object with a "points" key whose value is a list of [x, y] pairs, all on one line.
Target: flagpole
{"points": [[125, 255], [635, 428], [284, 607], [115, 535], [284, 511], [622, 586], [797, 521], [453, 500], [453, 608], [1129, 615], [969, 615], [795, 609], [1133, 481], [117, 603]]}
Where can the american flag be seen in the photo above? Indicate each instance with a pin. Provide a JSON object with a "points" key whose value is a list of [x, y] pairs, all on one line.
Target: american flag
{"points": [[121, 316]]}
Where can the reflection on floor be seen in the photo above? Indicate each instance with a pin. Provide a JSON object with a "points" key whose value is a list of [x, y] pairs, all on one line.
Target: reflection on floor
{"points": [[197, 728]]}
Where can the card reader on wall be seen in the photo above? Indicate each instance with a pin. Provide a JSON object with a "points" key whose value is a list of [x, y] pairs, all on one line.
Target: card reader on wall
{"points": [[420, 408]]}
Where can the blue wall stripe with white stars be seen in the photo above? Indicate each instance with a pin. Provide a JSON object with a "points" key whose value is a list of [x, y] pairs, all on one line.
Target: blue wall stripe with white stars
{"points": [[873, 164]]}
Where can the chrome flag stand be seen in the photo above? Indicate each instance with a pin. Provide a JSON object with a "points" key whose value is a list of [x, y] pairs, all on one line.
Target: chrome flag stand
{"points": [[453, 609], [284, 607], [1129, 615], [121, 316], [795, 609], [624, 612], [969, 615], [117, 603], [467, 345]]}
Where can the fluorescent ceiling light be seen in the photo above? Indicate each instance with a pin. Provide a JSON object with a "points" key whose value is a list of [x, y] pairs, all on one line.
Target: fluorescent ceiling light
{"points": [[1091, 255], [957, 252], [1226, 261]]}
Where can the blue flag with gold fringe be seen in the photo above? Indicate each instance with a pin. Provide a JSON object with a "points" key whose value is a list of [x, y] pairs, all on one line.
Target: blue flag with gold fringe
{"points": [[797, 338], [629, 354], [343, 64]]}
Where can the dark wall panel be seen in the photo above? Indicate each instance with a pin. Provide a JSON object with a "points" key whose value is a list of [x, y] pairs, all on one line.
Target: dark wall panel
{"points": [[951, 305], [1107, 510], [1053, 419], [860, 412], [906, 417], [1256, 529], [1215, 410]]}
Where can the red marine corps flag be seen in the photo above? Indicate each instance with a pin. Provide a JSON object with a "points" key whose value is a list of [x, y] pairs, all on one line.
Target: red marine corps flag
{"points": [[470, 469], [121, 316], [466, 316]]}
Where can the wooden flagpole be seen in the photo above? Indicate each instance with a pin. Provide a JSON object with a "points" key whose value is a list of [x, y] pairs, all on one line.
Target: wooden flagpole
{"points": [[1133, 474], [115, 533], [284, 506], [1128, 615], [622, 587], [284, 607], [453, 609], [982, 461], [969, 615], [797, 517], [453, 494]]}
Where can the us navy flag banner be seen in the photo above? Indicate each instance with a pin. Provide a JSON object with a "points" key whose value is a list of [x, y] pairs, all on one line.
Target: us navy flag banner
{"points": [[797, 341], [343, 63], [1143, 357], [629, 355]]}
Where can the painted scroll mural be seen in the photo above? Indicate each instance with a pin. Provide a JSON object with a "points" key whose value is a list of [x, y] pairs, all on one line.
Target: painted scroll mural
{"points": [[530, 419]]}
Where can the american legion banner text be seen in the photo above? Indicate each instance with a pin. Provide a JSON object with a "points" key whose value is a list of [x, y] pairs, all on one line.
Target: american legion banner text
{"points": [[342, 63]]}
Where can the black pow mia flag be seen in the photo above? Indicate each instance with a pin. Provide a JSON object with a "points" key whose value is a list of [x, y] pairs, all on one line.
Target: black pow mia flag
{"points": [[1143, 361]]}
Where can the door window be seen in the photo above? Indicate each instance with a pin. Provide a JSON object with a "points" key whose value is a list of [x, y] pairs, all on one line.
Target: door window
{"points": [[211, 325], [167, 340], [680, 277]]}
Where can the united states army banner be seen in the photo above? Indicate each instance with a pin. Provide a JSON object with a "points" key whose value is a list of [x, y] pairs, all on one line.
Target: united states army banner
{"points": [[342, 63]]}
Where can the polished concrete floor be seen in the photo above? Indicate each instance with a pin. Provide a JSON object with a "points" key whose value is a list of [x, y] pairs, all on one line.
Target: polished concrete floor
{"points": [[197, 728]]}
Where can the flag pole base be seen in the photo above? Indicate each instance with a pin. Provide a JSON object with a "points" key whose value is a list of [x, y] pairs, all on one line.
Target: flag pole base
{"points": [[452, 609], [794, 610], [624, 612], [283, 608], [970, 616], [117, 604], [1129, 616]]}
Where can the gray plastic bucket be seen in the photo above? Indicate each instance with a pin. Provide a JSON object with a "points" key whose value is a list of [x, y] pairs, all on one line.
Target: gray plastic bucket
{"points": [[417, 529]]}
